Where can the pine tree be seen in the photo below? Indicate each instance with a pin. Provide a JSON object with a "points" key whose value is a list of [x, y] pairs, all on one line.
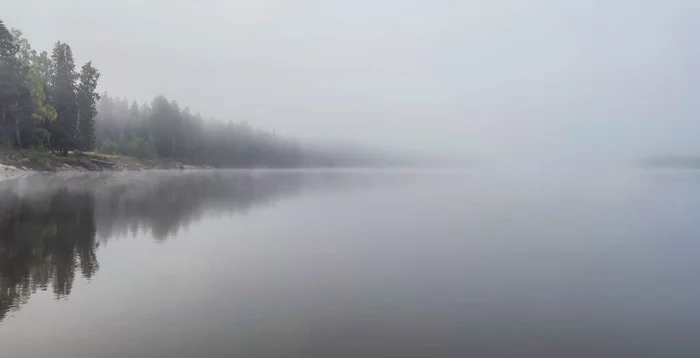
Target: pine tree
{"points": [[14, 88], [87, 109], [34, 128], [63, 97]]}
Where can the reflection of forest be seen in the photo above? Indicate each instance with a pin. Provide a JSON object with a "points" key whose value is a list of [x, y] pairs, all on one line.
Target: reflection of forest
{"points": [[48, 235], [161, 207], [43, 241]]}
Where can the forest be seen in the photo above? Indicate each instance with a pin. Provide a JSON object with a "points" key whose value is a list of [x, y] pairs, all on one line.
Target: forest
{"points": [[49, 103], [44, 100], [162, 129]]}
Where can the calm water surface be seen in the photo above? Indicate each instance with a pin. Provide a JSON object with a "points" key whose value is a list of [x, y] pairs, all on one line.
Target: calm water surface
{"points": [[351, 264]]}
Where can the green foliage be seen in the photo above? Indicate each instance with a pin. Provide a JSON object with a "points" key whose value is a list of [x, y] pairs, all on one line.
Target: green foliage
{"points": [[15, 96], [87, 110], [63, 96], [43, 136], [162, 129], [108, 147], [34, 128], [39, 96], [44, 101], [137, 147], [8, 47]]}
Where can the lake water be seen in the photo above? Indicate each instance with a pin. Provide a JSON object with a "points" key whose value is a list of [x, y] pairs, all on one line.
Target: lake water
{"points": [[519, 263]]}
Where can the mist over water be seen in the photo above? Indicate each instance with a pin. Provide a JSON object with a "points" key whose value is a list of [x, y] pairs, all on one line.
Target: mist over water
{"points": [[478, 80], [350, 263], [573, 232]]}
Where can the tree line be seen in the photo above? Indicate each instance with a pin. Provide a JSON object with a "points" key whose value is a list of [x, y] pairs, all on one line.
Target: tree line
{"points": [[162, 129], [46, 102]]}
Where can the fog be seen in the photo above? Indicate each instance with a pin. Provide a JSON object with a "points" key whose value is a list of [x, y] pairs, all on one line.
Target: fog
{"points": [[510, 80]]}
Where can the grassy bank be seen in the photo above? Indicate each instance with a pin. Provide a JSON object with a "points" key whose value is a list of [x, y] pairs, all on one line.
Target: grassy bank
{"points": [[42, 160]]}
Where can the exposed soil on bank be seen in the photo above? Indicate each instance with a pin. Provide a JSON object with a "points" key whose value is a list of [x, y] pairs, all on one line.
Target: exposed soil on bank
{"points": [[12, 162]]}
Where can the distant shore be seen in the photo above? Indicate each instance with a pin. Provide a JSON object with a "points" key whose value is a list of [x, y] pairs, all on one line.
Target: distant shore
{"points": [[673, 162]]}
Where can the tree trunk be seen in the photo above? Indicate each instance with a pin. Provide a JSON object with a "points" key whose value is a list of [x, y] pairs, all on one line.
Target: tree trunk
{"points": [[18, 140], [2, 123], [4, 112], [17, 137]]}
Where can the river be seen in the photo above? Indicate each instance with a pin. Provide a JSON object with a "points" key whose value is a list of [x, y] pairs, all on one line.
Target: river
{"points": [[351, 263]]}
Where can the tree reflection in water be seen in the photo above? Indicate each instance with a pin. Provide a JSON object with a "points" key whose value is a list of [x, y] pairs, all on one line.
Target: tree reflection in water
{"points": [[48, 235]]}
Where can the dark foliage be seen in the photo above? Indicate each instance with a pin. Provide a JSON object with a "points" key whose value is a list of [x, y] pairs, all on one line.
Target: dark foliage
{"points": [[46, 103]]}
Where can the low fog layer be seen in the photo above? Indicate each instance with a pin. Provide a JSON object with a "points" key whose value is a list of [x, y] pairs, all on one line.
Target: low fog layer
{"points": [[506, 79]]}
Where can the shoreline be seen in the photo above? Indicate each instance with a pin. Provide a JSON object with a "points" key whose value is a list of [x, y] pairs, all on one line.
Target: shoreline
{"points": [[15, 163]]}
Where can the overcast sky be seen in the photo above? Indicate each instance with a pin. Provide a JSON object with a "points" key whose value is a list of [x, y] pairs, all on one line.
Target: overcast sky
{"points": [[489, 78]]}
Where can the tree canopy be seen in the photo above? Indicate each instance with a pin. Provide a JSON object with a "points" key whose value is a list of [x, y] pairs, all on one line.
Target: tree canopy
{"points": [[47, 102], [161, 129]]}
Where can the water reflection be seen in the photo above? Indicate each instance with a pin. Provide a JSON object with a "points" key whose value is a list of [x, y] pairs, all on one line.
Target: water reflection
{"points": [[49, 235], [44, 240], [161, 207], [358, 264]]}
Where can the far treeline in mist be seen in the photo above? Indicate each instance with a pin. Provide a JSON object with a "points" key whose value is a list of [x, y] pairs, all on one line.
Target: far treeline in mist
{"points": [[48, 102]]}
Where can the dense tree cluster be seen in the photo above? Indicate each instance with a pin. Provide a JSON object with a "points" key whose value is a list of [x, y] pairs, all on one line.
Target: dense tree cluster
{"points": [[161, 129], [44, 100]]}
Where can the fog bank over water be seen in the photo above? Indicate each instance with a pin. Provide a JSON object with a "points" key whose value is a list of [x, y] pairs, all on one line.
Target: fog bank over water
{"points": [[492, 80]]}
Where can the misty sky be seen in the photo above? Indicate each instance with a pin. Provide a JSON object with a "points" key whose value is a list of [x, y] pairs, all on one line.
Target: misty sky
{"points": [[506, 78]]}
